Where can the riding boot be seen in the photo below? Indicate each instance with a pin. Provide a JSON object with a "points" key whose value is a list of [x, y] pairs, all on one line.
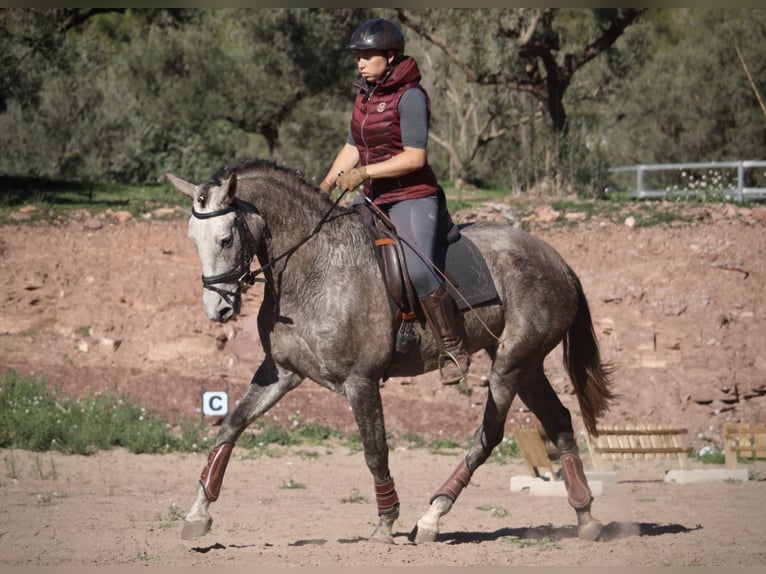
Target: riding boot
{"points": [[441, 315]]}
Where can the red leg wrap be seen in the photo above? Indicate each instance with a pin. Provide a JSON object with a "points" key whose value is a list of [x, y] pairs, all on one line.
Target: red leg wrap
{"points": [[455, 484], [212, 475], [576, 484], [385, 495]]}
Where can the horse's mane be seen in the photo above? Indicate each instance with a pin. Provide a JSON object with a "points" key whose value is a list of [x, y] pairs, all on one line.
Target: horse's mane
{"points": [[266, 167], [258, 168], [286, 197]]}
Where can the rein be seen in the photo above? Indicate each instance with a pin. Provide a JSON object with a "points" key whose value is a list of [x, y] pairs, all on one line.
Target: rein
{"points": [[242, 275]]}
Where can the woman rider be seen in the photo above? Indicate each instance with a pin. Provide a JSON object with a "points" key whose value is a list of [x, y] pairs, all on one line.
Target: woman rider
{"points": [[387, 141]]}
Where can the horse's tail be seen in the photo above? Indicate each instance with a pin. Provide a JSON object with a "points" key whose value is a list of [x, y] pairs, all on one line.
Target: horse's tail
{"points": [[591, 377]]}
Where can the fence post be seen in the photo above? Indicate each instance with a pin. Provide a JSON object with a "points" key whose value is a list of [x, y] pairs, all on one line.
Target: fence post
{"points": [[740, 181]]}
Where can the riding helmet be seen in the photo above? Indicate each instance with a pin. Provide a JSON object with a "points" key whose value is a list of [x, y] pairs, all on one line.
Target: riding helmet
{"points": [[377, 34]]}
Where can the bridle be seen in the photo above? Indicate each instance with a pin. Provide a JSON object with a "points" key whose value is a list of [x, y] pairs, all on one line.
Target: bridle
{"points": [[241, 274]]}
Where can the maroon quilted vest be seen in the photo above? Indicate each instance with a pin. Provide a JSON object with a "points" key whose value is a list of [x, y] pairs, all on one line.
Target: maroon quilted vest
{"points": [[378, 136]]}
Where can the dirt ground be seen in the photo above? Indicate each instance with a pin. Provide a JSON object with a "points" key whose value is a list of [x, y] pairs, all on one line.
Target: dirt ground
{"points": [[113, 303]]}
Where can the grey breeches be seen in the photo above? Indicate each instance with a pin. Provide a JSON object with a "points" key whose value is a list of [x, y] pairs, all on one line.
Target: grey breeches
{"points": [[416, 222]]}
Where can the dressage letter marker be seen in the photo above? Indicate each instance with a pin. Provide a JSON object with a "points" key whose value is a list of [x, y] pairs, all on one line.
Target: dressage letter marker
{"points": [[215, 403]]}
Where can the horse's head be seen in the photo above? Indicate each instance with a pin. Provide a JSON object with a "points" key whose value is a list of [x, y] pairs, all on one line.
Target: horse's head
{"points": [[219, 231]]}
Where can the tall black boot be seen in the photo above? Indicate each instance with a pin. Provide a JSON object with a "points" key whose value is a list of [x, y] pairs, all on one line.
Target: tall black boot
{"points": [[441, 315]]}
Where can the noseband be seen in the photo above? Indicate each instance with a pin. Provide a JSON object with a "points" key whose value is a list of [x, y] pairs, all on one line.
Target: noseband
{"points": [[241, 275]]}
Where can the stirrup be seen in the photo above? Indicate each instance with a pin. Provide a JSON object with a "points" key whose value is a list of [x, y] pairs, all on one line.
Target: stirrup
{"points": [[447, 356]]}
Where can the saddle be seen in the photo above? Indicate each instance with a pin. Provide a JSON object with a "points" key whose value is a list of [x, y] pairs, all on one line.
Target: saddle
{"points": [[468, 278]]}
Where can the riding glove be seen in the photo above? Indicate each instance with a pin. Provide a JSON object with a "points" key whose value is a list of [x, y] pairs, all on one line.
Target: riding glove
{"points": [[352, 179]]}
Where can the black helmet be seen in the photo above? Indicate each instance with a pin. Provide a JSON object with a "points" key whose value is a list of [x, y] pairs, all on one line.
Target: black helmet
{"points": [[377, 34]]}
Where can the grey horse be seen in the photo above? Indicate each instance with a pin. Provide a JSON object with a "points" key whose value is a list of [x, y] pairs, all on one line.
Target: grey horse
{"points": [[325, 317]]}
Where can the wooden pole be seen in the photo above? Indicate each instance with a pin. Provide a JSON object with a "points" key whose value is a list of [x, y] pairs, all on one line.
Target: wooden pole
{"points": [[750, 78]]}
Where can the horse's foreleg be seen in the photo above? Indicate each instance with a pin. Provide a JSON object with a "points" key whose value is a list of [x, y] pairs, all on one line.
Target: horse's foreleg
{"points": [[487, 436], [198, 520], [364, 398], [269, 384], [539, 396], [427, 528], [388, 510]]}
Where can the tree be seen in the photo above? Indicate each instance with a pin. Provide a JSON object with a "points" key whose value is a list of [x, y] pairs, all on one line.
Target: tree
{"points": [[81, 118], [507, 57], [29, 41], [136, 93], [467, 119], [691, 100], [519, 97], [520, 51], [274, 59], [32, 39]]}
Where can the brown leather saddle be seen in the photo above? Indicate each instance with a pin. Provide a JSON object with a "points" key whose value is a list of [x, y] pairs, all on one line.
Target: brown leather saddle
{"points": [[468, 279]]}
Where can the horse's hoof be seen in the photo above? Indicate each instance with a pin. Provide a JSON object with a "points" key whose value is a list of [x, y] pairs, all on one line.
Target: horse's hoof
{"points": [[421, 535], [381, 539], [590, 530], [381, 536], [195, 529]]}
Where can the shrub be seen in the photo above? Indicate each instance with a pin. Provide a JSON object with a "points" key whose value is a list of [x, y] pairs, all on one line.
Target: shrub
{"points": [[35, 417]]}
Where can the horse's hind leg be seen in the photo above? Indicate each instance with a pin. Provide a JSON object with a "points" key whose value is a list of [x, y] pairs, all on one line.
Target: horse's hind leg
{"points": [[502, 390], [536, 392], [269, 384]]}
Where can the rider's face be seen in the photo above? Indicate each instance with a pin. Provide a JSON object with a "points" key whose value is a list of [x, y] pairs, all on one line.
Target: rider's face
{"points": [[372, 64]]}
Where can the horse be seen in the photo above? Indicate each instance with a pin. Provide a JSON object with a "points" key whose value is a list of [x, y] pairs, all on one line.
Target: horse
{"points": [[326, 316]]}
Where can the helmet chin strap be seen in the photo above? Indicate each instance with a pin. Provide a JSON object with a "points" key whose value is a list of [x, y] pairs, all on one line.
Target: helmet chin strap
{"points": [[390, 65], [372, 86]]}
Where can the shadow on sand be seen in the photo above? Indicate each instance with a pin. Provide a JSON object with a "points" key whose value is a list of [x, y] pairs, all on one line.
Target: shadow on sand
{"points": [[611, 531]]}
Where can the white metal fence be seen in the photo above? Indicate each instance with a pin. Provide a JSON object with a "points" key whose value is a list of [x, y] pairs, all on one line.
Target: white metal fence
{"points": [[739, 180]]}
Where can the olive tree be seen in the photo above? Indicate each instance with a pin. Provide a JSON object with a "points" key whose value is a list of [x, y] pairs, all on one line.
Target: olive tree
{"points": [[138, 92]]}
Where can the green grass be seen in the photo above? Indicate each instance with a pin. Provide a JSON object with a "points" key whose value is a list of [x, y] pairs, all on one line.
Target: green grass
{"points": [[507, 450], [458, 199], [443, 445], [414, 440], [353, 442], [615, 208], [648, 215], [35, 417], [709, 454], [315, 433], [354, 498], [546, 542], [275, 435], [172, 518], [57, 200], [495, 511]]}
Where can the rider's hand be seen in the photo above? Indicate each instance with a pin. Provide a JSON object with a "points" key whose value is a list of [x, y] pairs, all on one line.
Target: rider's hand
{"points": [[352, 179], [326, 186]]}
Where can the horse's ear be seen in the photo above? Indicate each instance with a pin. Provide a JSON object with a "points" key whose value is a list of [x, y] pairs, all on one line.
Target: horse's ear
{"points": [[188, 189], [230, 187]]}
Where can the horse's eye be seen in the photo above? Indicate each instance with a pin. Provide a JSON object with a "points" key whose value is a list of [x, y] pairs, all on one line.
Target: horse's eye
{"points": [[226, 242]]}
